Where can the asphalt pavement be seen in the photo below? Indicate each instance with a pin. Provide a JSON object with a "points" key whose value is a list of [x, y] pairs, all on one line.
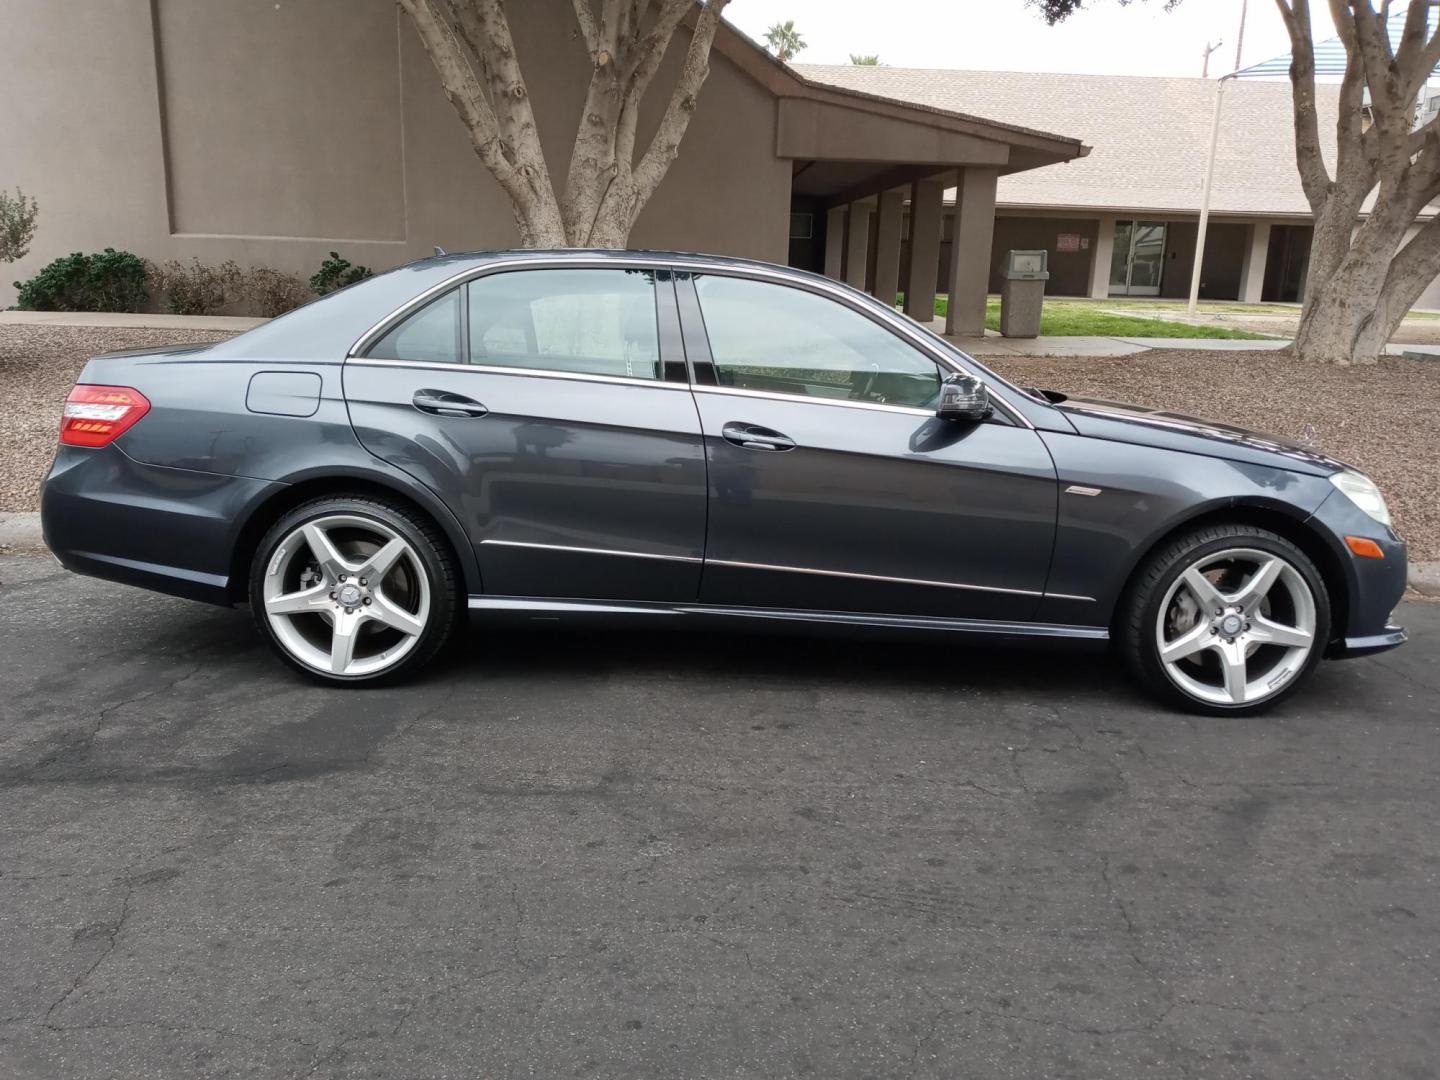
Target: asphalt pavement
{"points": [[642, 855]]}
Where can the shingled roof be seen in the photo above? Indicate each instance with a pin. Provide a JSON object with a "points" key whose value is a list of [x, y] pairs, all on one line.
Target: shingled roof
{"points": [[1149, 135]]}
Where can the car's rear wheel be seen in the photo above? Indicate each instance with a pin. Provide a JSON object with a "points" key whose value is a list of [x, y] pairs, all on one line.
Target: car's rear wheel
{"points": [[354, 590], [1227, 620]]}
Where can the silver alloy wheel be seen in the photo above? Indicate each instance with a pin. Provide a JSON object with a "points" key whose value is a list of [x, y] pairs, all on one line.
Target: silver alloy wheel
{"points": [[347, 595], [1236, 627]]}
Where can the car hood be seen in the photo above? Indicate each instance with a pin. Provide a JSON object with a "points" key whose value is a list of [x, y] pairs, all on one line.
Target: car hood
{"points": [[1175, 431]]}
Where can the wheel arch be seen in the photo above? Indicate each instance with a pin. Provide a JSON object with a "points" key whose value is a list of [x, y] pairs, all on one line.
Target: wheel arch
{"points": [[1279, 518], [260, 517]]}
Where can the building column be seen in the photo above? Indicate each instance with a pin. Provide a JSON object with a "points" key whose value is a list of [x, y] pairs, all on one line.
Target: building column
{"points": [[1252, 269], [1101, 256], [970, 252], [887, 246], [834, 241], [927, 203], [857, 244]]}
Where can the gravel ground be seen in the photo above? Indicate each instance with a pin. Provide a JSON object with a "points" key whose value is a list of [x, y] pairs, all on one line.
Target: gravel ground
{"points": [[1355, 413], [38, 365], [1381, 418]]}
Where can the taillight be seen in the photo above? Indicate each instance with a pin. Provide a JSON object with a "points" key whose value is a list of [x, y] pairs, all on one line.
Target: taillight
{"points": [[97, 415]]}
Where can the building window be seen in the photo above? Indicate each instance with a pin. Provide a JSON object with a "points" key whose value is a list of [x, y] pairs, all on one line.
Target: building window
{"points": [[802, 226]]}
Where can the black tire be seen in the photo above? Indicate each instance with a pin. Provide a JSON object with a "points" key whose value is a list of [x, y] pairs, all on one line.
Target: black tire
{"points": [[431, 552], [1139, 612]]}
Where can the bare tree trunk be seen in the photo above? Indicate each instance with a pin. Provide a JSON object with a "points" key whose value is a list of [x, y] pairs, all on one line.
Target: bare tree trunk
{"points": [[470, 44], [608, 188], [1361, 281]]}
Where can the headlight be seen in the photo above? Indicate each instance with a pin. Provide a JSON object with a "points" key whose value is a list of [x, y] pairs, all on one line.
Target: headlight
{"points": [[1361, 490]]}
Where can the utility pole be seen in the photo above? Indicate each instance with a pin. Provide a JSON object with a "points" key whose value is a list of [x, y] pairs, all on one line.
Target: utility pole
{"points": [[1240, 37], [1205, 68]]}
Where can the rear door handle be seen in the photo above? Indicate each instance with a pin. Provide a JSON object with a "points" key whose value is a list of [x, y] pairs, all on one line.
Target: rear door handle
{"points": [[444, 403], [755, 437]]}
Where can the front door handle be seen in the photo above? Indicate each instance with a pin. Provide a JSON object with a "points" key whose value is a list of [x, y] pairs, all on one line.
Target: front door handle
{"points": [[755, 437], [444, 403]]}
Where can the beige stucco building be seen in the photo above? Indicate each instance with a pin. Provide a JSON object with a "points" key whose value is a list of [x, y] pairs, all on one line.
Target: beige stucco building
{"points": [[1123, 221], [273, 131]]}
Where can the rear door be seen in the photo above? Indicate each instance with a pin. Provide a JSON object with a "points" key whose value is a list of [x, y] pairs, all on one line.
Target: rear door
{"points": [[833, 486], [535, 401]]}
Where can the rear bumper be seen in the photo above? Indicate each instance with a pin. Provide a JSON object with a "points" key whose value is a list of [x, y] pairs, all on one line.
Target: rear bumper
{"points": [[170, 530]]}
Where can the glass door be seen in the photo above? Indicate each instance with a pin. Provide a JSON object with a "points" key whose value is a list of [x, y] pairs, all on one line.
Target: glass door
{"points": [[1137, 261]]}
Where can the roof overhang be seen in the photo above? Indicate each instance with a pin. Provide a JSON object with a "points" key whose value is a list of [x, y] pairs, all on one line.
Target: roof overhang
{"points": [[850, 143]]}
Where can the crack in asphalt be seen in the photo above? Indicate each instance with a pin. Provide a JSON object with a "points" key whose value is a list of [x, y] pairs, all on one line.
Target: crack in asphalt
{"points": [[87, 740], [112, 936]]}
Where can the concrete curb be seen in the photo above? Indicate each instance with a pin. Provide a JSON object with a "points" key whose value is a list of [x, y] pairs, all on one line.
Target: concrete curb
{"points": [[1425, 578], [20, 535]]}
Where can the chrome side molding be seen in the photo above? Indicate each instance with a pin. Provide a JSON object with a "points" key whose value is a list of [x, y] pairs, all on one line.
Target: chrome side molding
{"points": [[550, 608], [739, 565]]}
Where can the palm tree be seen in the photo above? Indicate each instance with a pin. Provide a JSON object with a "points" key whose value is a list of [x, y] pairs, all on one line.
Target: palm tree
{"points": [[784, 40], [871, 60]]}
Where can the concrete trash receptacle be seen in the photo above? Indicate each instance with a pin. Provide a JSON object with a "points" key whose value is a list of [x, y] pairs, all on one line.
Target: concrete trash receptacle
{"points": [[1022, 293]]}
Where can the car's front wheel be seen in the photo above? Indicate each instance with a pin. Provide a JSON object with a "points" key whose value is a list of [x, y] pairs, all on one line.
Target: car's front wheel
{"points": [[354, 590], [1227, 620]]}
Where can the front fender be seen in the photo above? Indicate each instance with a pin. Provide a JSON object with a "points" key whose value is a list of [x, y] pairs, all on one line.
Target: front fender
{"points": [[1101, 538]]}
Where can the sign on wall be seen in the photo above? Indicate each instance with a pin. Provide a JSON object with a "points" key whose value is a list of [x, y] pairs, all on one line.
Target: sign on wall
{"points": [[1069, 241]]}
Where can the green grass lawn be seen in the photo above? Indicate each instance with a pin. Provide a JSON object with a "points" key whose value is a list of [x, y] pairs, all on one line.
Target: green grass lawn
{"points": [[1082, 318], [1060, 318]]}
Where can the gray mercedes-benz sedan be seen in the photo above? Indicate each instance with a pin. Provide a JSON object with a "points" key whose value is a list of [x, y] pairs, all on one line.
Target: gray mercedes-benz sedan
{"points": [[704, 441]]}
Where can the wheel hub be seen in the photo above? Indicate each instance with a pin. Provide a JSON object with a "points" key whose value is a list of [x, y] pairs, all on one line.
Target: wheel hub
{"points": [[349, 595], [1230, 625]]}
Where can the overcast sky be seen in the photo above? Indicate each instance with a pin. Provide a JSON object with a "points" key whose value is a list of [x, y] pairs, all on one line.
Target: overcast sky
{"points": [[1008, 35]]}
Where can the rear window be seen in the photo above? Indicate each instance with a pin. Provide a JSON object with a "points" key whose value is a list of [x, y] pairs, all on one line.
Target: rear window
{"points": [[431, 335], [591, 321]]}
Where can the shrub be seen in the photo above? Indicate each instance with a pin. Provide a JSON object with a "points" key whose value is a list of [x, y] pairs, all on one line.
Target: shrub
{"points": [[273, 292], [110, 281], [196, 289], [17, 225], [335, 273]]}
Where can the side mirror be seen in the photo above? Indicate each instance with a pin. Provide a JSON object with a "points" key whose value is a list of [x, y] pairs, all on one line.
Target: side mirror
{"points": [[963, 397]]}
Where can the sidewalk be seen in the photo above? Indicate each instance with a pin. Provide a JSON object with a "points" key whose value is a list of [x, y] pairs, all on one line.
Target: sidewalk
{"points": [[1101, 346], [128, 320]]}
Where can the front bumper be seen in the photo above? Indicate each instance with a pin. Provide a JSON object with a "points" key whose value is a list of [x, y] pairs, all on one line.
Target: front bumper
{"points": [[1368, 645], [171, 530], [1373, 586]]}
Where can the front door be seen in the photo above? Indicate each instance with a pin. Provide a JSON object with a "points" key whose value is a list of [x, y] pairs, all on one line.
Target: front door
{"points": [[1137, 261], [535, 403], [833, 486]]}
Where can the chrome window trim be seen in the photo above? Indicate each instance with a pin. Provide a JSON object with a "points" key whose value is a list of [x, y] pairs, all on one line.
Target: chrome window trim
{"points": [[776, 395], [591, 551], [529, 373], [471, 273], [901, 325]]}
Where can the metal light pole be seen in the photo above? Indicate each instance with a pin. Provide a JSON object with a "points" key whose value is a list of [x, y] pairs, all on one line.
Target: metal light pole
{"points": [[1205, 193]]}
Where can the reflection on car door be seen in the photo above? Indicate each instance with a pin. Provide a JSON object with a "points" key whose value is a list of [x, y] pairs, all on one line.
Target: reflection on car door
{"points": [[536, 403], [833, 486]]}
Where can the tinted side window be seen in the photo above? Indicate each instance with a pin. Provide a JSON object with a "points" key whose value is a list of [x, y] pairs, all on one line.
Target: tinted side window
{"points": [[776, 338], [599, 322], [431, 334]]}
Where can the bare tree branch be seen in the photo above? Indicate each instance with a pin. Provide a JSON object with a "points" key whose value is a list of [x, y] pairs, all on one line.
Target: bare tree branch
{"points": [[1314, 178], [585, 16], [665, 145], [519, 169]]}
